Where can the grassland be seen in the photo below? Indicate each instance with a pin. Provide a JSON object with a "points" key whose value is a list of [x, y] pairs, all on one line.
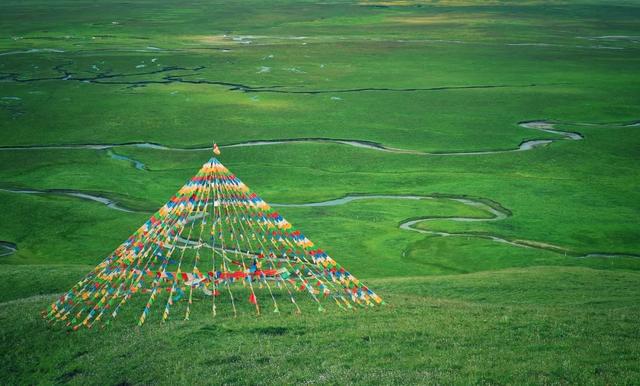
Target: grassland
{"points": [[561, 306]]}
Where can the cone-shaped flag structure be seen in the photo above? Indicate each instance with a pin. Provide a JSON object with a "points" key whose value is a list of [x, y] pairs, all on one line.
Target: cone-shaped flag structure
{"points": [[215, 243]]}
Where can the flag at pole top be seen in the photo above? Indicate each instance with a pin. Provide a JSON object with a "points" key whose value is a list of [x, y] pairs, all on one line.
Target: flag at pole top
{"points": [[216, 150]]}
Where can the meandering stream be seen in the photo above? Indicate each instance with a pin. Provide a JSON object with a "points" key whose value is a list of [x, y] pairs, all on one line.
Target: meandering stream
{"points": [[494, 211], [7, 248], [540, 125], [73, 193], [137, 164]]}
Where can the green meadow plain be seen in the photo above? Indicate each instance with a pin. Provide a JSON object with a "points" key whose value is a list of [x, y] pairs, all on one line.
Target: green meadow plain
{"points": [[521, 261]]}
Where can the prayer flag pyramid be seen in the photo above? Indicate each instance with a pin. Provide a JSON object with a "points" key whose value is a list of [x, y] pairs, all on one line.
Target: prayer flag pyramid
{"points": [[214, 237]]}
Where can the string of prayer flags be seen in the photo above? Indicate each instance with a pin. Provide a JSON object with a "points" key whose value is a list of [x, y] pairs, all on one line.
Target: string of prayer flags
{"points": [[214, 237]]}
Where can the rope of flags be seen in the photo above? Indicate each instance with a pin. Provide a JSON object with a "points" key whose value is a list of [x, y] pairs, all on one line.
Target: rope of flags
{"points": [[213, 235]]}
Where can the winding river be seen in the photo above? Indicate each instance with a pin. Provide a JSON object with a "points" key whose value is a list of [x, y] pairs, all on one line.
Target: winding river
{"points": [[137, 164], [73, 193], [7, 248], [547, 126], [494, 211]]}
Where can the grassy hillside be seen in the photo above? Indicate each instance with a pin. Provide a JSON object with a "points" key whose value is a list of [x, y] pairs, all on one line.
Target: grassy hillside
{"points": [[536, 282]]}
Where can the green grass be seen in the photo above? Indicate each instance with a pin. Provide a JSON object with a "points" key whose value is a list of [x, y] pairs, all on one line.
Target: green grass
{"points": [[539, 325], [460, 310]]}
